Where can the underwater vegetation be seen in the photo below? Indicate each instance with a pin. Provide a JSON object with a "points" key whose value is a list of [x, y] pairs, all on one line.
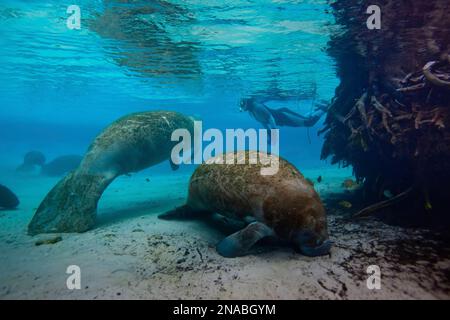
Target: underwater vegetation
{"points": [[390, 117], [8, 200]]}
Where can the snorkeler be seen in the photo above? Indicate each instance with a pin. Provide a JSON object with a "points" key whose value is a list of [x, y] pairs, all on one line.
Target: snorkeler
{"points": [[271, 118]]}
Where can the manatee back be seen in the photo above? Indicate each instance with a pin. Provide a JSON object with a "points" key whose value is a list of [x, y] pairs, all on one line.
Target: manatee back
{"points": [[239, 189], [135, 142]]}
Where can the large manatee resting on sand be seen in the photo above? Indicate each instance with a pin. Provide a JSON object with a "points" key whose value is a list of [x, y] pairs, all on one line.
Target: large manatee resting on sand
{"points": [[283, 205], [130, 144]]}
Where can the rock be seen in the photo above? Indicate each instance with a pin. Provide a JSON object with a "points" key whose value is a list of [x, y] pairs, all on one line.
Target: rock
{"points": [[8, 200]]}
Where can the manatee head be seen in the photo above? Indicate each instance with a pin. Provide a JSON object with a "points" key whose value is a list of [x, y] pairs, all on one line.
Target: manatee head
{"points": [[300, 218], [310, 234], [31, 160], [312, 242], [34, 158]]}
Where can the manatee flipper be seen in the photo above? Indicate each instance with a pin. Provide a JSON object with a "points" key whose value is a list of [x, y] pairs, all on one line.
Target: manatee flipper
{"points": [[226, 224], [71, 205], [183, 212], [239, 243]]}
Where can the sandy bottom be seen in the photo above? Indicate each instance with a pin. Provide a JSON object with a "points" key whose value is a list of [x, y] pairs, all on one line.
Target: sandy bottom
{"points": [[133, 255]]}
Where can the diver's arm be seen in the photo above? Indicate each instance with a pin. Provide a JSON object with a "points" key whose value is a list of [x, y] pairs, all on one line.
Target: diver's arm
{"points": [[322, 105], [314, 117]]}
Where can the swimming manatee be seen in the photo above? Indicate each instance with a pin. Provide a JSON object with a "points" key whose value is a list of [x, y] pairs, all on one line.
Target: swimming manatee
{"points": [[130, 144], [8, 200], [31, 160], [283, 205]]}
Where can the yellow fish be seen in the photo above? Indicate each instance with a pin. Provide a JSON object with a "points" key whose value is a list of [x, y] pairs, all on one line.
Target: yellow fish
{"points": [[345, 204], [349, 184]]}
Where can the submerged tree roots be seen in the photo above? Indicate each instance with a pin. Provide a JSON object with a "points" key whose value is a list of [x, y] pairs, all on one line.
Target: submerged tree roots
{"points": [[390, 117]]}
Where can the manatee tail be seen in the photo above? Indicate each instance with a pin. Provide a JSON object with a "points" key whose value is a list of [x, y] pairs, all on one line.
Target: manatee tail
{"points": [[71, 205]]}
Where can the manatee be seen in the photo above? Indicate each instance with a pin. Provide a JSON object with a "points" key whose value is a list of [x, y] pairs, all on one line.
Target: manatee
{"points": [[282, 206], [8, 200], [130, 144], [61, 165], [31, 160]]}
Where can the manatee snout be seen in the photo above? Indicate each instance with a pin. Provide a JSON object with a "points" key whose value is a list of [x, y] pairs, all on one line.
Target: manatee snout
{"points": [[311, 243]]}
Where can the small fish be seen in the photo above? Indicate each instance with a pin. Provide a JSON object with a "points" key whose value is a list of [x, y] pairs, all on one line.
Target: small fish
{"points": [[345, 204], [388, 194], [147, 179], [319, 179], [349, 184]]}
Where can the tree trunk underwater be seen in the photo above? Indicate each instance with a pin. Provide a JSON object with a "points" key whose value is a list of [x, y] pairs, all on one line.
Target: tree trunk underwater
{"points": [[390, 117]]}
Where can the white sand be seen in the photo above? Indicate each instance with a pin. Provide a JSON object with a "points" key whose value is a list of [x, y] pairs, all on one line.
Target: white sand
{"points": [[132, 254]]}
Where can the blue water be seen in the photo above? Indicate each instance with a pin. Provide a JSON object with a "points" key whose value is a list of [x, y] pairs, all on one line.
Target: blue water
{"points": [[60, 87]]}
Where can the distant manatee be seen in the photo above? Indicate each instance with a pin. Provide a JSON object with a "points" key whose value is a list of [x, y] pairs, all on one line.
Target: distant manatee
{"points": [[61, 165], [31, 160], [8, 200]]}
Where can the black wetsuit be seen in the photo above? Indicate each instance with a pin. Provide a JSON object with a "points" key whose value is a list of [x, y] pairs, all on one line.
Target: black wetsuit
{"points": [[270, 118], [288, 118]]}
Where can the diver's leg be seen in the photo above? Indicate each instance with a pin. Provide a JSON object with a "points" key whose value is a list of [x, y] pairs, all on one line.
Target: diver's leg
{"points": [[289, 111], [239, 243], [302, 121], [296, 120]]}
